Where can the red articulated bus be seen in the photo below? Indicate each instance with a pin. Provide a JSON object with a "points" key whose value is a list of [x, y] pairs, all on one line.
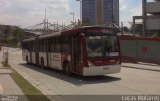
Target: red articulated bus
{"points": [[87, 51]]}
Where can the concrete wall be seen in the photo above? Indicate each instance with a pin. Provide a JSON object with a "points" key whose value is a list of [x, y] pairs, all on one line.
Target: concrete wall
{"points": [[153, 24], [140, 49], [153, 7]]}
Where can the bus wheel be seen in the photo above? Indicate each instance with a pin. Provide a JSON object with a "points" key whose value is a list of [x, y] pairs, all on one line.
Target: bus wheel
{"points": [[42, 63], [67, 69]]}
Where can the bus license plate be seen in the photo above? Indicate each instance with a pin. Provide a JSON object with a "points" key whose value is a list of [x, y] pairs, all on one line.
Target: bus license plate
{"points": [[106, 68]]}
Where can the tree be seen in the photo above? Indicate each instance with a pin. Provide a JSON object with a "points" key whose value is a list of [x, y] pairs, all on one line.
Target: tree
{"points": [[6, 34], [7, 30], [1, 38], [18, 35], [126, 29]]}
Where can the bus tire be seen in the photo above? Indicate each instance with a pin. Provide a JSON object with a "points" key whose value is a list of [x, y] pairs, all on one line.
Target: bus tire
{"points": [[67, 69], [42, 63]]}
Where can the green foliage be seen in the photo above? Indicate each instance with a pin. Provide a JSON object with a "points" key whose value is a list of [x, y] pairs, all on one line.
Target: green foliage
{"points": [[31, 92], [7, 30], [18, 35], [1, 36], [126, 29], [13, 37]]}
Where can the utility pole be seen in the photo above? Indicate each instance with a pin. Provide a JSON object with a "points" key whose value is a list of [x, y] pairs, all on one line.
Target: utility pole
{"points": [[3, 44], [45, 23], [144, 15], [112, 13], [80, 11], [73, 18], [122, 28]]}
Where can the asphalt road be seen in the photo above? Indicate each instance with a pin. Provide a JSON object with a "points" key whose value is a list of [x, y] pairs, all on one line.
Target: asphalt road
{"points": [[129, 81]]}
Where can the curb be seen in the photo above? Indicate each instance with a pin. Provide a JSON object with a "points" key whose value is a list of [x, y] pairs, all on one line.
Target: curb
{"points": [[141, 68]]}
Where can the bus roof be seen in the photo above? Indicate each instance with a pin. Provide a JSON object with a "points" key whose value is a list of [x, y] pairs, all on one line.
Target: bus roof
{"points": [[71, 31], [49, 35], [30, 39], [81, 29]]}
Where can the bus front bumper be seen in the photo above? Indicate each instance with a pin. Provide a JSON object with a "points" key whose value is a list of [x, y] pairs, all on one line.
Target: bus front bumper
{"points": [[101, 70]]}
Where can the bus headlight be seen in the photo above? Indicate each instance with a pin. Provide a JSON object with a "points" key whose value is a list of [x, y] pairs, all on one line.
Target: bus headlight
{"points": [[90, 64], [118, 61]]}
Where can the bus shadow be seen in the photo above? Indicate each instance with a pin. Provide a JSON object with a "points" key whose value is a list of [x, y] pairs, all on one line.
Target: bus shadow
{"points": [[73, 79]]}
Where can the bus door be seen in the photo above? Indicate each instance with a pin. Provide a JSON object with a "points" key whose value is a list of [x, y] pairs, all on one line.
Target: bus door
{"points": [[76, 54], [37, 51], [30, 51]]}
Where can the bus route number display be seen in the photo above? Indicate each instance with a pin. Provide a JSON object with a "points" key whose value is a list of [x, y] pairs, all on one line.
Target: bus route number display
{"points": [[100, 31]]}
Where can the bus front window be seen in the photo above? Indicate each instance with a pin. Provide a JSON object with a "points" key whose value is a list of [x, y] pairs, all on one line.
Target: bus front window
{"points": [[110, 43], [101, 46], [94, 46]]}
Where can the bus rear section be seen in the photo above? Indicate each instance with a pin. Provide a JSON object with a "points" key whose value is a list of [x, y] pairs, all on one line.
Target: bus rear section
{"points": [[102, 52], [27, 50]]}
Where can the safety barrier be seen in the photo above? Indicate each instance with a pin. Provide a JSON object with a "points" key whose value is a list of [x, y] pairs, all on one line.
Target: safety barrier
{"points": [[137, 49]]}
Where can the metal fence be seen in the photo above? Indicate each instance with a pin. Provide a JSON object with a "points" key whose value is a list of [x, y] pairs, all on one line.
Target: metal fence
{"points": [[135, 49]]}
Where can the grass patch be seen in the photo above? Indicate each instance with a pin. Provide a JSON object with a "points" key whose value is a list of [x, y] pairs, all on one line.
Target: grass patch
{"points": [[31, 92]]}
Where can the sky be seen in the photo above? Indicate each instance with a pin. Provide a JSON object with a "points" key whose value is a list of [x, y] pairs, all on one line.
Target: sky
{"points": [[26, 13]]}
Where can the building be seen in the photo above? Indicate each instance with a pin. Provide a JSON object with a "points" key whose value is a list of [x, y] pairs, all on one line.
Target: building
{"points": [[6, 29], [10, 28], [100, 12], [150, 17]]}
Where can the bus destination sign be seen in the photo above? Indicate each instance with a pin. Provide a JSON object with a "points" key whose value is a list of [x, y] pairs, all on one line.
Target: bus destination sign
{"points": [[100, 31]]}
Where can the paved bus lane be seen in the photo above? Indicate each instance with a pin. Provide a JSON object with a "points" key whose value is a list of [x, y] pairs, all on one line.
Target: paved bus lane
{"points": [[129, 82]]}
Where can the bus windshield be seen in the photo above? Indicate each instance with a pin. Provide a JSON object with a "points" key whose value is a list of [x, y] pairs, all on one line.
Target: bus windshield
{"points": [[101, 46]]}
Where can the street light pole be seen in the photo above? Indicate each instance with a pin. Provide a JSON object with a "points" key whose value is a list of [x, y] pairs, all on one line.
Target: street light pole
{"points": [[80, 10], [144, 14], [73, 17], [3, 45]]}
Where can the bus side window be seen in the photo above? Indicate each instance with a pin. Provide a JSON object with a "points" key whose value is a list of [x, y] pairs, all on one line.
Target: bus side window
{"points": [[57, 45], [49, 45], [78, 49], [31, 46], [40, 45], [33, 49], [65, 45], [53, 45], [43, 45]]}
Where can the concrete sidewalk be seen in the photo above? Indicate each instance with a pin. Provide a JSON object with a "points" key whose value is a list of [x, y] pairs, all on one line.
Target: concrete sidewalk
{"points": [[5, 70], [7, 84], [143, 66]]}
